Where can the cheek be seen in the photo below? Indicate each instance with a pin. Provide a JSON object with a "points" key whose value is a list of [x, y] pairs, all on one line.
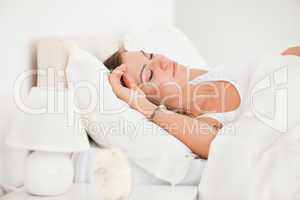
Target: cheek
{"points": [[170, 89], [162, 78], [163, 92], [151, 91], [170, 94]]}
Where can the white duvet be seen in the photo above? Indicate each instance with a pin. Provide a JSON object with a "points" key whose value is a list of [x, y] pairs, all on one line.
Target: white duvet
{"points": [[259, 158]]}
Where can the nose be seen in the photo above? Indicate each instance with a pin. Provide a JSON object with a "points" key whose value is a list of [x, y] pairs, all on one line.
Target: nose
{"points": [[165, 63], [162, 62]]}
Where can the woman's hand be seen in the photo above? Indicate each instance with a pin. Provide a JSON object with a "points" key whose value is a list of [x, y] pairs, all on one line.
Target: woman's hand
{"points": [[295, 51], [131, 94]]}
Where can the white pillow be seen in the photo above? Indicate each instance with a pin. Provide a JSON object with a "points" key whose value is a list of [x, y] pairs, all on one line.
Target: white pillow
{"points": [[113, 124], [168, 41]]}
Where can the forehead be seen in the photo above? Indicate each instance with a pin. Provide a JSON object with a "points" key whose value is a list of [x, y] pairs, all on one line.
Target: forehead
{"points": [[134, 61], [129, 55]]}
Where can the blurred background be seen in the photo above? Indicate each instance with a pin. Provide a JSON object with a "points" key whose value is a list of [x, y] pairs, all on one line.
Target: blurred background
{"points": [[236, 31]]}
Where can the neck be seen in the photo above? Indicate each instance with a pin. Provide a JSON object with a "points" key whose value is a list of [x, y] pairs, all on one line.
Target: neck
{"points": [[189, 106]]}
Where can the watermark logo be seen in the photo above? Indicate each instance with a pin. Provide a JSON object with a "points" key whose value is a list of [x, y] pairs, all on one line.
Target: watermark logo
{"points": [[269, 97], [269, 100]]}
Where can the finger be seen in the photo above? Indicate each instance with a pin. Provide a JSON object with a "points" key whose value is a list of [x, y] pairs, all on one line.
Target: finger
{"points": [[119, 71], [129, 81], [125, 79], [116, 74]]}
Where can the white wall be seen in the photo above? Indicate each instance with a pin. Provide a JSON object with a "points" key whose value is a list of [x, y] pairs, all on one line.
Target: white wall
{"points": [[233, 31], [24, 22]]}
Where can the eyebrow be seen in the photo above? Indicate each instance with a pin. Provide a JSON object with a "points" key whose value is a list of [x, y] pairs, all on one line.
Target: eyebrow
{"points": [[143, 52], [141, 73]]}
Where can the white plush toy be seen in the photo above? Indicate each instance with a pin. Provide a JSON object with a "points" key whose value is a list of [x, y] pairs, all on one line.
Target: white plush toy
{"points": [[107, 169]]}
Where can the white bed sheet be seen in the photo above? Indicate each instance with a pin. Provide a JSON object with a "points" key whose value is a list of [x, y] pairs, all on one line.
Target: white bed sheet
{"points": [[192, 178], [83, 191], [146, 186], [140, 176], [155, 192]]}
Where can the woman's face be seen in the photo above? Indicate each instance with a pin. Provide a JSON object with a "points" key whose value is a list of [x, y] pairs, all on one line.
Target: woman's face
{"points": [[161, 78]]}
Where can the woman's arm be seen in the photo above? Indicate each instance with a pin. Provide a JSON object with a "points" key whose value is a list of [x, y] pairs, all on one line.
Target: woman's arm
{"points": [[293, 51], [197, 134]]}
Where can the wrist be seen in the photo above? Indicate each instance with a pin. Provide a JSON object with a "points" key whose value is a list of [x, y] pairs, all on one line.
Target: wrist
{"points": [[148, 109], [155, 111]]}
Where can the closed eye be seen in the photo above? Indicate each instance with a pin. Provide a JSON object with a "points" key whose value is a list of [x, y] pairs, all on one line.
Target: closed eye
{"points": [[151, 56], [146, 74], [151, 75]]}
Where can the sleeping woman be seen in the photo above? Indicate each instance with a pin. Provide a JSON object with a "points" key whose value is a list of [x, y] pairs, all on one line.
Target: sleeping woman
{"points": [[191, 104]]}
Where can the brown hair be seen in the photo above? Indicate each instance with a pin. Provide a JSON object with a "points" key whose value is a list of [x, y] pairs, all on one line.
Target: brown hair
{"points": [[115, 59]]}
